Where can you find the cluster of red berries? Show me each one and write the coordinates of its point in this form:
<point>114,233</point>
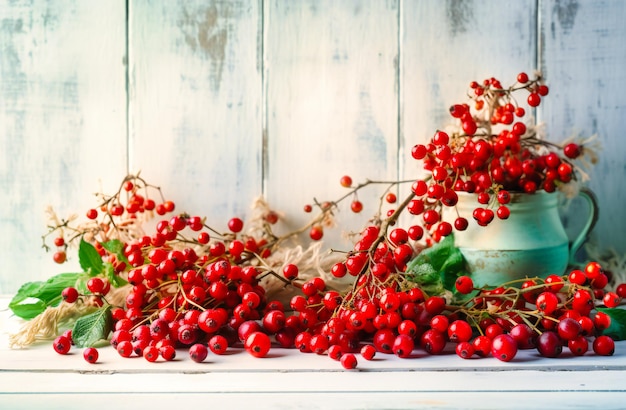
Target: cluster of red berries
<point>542,314</point>
<point>210,299</point>
<point>492,154</point>
<point>133,198</point>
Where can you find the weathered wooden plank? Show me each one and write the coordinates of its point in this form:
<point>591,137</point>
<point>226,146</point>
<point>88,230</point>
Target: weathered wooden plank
<point>62,121</point>
<point>195,103</point>
<point>583,57</point>
<point>331,105</point>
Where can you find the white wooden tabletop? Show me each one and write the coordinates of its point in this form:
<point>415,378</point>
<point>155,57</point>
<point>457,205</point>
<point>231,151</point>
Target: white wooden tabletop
<point>37,377</point>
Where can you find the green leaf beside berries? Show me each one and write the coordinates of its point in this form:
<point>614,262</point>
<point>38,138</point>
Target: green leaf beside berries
<point>617,329</point>
<point>92,328</point>
<point>436,268</point>
<point>34,297</point>
<point>89,258</point>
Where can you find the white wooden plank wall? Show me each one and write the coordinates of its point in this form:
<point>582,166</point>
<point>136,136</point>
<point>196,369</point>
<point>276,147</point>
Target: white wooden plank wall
<point>221,101</point>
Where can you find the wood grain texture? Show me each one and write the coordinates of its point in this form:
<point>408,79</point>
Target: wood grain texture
<point>582,56</point>
<point>195,103</point>
<point>62,121</point>
<point>331,104</point>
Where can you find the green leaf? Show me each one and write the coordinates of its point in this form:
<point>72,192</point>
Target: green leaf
<point>89,258</point>
<point>617,329</point>
<point>28,308</point>
<point>116,247</point>
<point>92,328</point>
<point>113,278</point>
<point>436,268</point>
<point>34,297</point>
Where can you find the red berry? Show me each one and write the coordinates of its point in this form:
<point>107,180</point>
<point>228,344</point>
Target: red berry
<point>464,284</point>
<point>257,344</point>
<point>59,257</point>
<point>569,328</point>
<point>368,352</point>
<point>403,345</point>
<point>578,346</point>
<point>348,361</point>
<point>549,344</point>
<point>95,285</point>
<point>90,354</point>
<point>465,350</point>
<point>235,225</point>
<point>604,346</point>
<point>593,270</point>
<point>62,345</point>
<point>346,181</point>
<point>69,294</point>
<point>459,331</point>
<point>150,353</point>
<point>504,347</point>
<point>534,99</point>
<point>522,78</point>
<point>198,352</point>
<point>316,233</point>
<point>572,150</point>
<point>218,344</point>
<point>356,206</point>
<point>547,302</point>
<point>611,299</point>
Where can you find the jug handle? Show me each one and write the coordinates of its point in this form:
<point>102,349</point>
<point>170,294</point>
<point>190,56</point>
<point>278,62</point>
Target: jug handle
<point>592,201</point>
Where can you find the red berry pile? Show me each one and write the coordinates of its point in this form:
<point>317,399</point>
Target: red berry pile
<point>188,285</point>
<point>192,288</point>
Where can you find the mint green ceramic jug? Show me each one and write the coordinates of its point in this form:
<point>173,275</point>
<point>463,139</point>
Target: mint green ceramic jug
<point>531,242</point>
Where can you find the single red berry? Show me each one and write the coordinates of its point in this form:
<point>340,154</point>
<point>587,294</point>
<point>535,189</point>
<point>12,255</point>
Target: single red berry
<point>70,294</point>
<point>90,354</point>
<point>150,353</point>
<point>459,331</point>
<point>356,206</point>
<point>198,352</point>
<point>125,348</point>
<point>218,344</point>
<point>95,285</point>
<point>62,345</point>
<point>572,150</point>
<point>547,302</point>
<point>522,78</point>
<point>593,270</point>
<point>168,352</point>
<point>92,214</point>
<point>403,345</point>
<point>534,99</point>
<point>611,299</point>
<point>348,361</point>
<point>578,346</point>
<point>569,328</point>
<point>316,233</point>
<point>59,257</point>
<point>577,277</point>
<point>549,344</point>
<point>346,181</point>
<point>257,344</point>
<point>504,347</point>
<point>601,321</point>
<point>235,225</point>
<point>465,350</point>
<point>604,346</point>
<point>368,352</point>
